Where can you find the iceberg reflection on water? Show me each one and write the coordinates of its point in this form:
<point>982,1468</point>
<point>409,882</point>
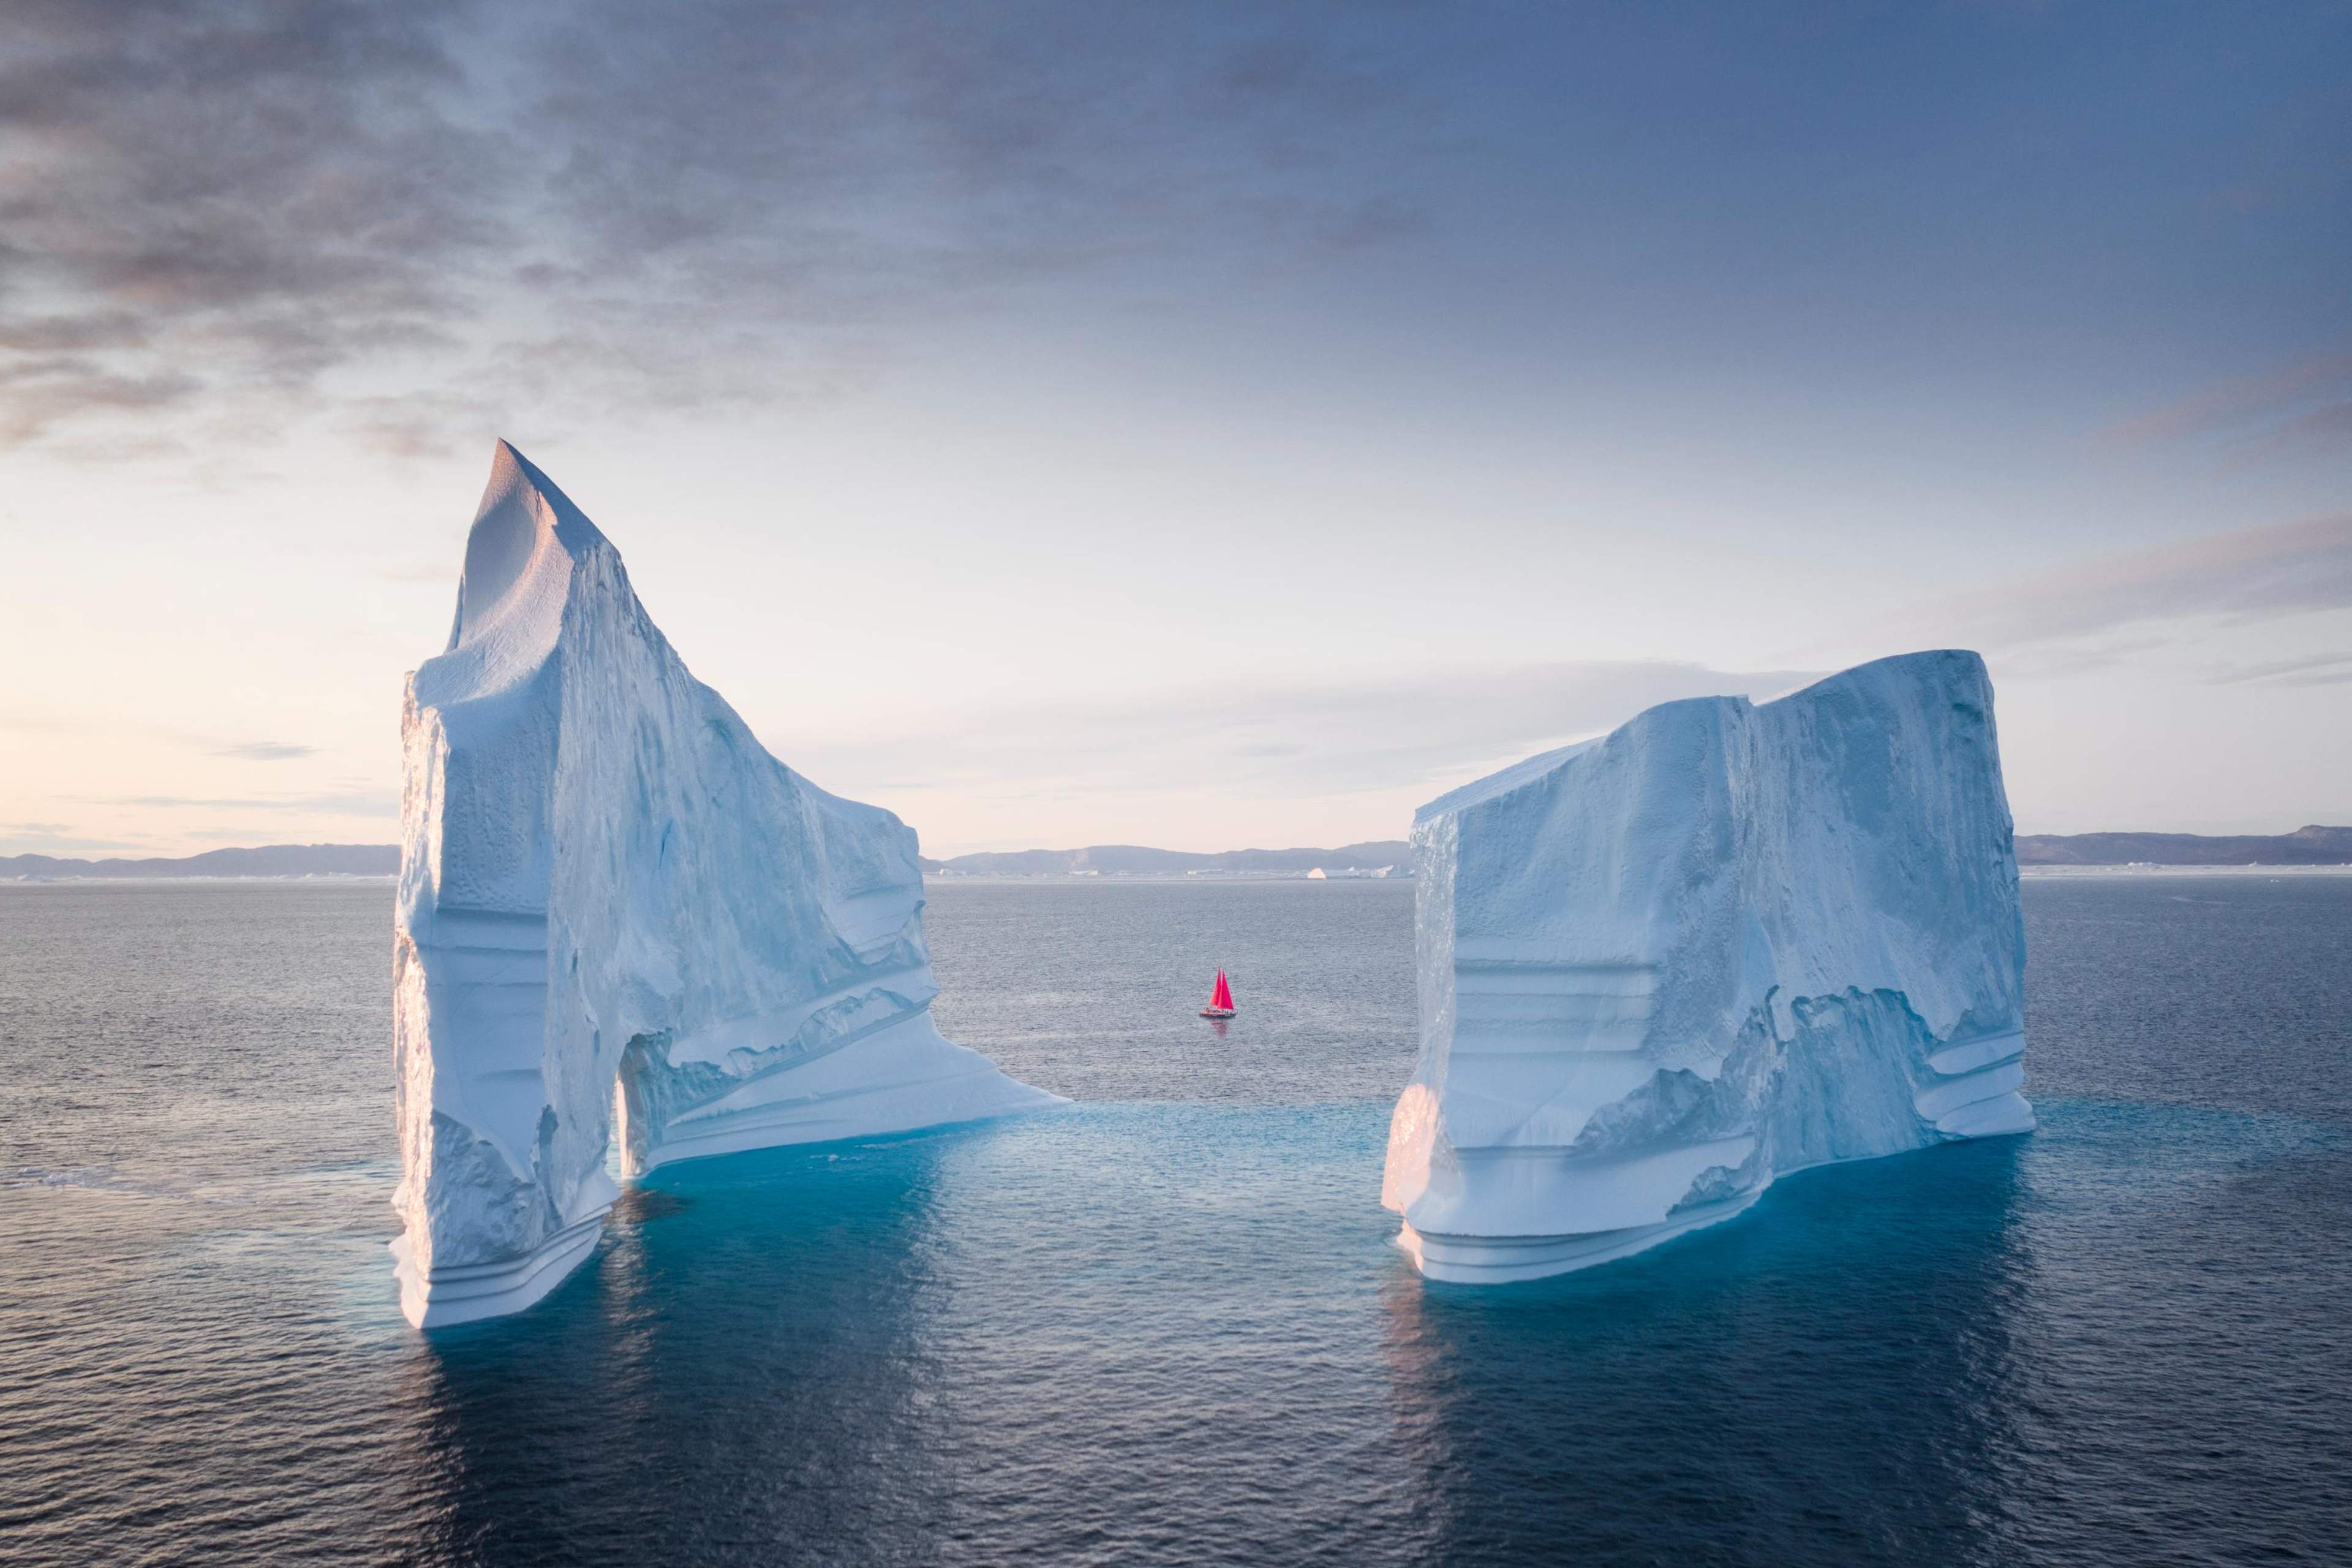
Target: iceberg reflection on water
<point>1171,1330</point>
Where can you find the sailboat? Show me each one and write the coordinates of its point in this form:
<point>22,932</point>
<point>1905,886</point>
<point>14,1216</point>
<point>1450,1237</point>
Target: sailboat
<point>1220,1000</point>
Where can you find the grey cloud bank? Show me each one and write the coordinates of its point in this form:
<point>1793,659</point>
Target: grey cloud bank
<point>221,208</point>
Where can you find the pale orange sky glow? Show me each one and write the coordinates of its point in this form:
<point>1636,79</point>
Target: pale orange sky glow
<point>1205,434</point>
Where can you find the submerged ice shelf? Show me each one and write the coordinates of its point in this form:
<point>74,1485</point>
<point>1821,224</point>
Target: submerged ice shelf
<point>617,914</point>
<point>1722,943</point>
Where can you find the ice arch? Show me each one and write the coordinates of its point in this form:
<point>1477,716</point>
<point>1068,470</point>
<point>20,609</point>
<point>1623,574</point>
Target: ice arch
<point>606,881</point>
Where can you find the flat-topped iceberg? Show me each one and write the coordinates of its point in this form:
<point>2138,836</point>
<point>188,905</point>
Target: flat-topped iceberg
<point>616,911</point>
<point>1722,943</point>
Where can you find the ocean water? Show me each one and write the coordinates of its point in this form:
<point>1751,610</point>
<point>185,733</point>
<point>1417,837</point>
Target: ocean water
<point>1168,1325</point>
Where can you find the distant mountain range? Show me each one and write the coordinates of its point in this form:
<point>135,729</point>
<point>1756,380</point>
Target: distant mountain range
<point>1134,860</point>
<point>276,861</point>
<point>383,859</point>
<point>2312,845</point>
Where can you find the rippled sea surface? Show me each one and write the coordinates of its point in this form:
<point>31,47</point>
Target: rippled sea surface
<point>1168,1325</point>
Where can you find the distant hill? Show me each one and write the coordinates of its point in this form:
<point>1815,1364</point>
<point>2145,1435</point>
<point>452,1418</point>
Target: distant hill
<point>275,860</point>
<point>1134,860</point>
<point>383,860</point>
<point>2312,845</point>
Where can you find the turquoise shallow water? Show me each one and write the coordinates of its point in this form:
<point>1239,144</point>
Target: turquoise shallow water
<point>1168,1324</point>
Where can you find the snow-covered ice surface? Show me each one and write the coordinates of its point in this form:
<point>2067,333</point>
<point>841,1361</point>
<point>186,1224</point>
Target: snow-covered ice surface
<point>606,881</point>
<point>1723,942</point>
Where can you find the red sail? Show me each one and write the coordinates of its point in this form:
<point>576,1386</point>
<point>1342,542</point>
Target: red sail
<point>1224,995</point>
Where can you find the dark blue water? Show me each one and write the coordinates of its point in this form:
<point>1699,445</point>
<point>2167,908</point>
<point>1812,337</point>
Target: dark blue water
<point>1168,1325</point>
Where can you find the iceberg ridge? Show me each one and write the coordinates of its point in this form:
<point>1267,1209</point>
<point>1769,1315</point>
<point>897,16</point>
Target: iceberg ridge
<point>616,913</point>
<point>1723,942</point>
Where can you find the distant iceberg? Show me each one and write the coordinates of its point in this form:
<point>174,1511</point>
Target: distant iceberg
<point>1722,943</point>
<point>619,916</point>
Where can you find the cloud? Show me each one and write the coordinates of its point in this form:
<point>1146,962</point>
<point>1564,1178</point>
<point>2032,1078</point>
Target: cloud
<point>37,392</point>
<point>39,721</point>
<point>262,188</point>
<point>248,835</point>
<point>385,803</point>
<point>52,722</point>
<point>2251,575</point>
<point>50,838</point>
<point>2312,669</point>
<point>1385,734</point>
<point>2323,429</point>
<point>2303,405</point>
<point>588,203</point>
<point>418,574</point>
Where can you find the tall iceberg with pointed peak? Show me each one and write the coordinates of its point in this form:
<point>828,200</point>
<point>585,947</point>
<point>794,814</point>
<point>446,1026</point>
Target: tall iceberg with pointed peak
<point>616,911</point>
<point>1723,942</point>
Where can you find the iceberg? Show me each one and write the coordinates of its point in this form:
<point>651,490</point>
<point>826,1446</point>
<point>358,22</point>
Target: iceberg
<point>620,923</point>
<point>1722,943</point>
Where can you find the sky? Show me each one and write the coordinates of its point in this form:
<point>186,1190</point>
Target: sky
<point>1191,424</point>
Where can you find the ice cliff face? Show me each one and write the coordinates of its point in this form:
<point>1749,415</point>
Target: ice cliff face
<point>1725,942</point>
<point>607,884</point>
